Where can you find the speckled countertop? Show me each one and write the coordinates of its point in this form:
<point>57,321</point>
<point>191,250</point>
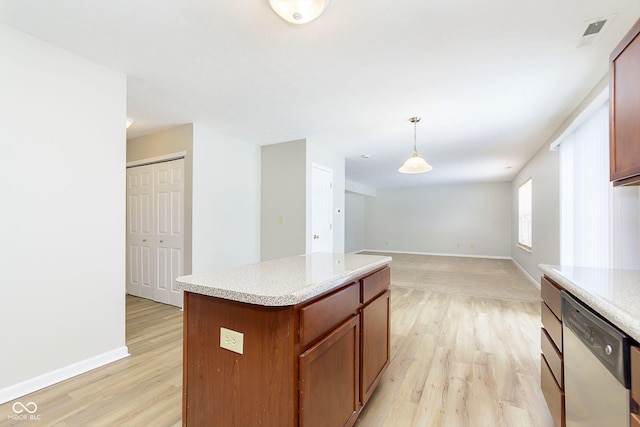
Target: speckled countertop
<point>281,282</point>
<point>614,294</point>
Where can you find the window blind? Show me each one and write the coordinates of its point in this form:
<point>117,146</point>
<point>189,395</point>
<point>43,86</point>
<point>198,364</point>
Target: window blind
<point>586,193</point>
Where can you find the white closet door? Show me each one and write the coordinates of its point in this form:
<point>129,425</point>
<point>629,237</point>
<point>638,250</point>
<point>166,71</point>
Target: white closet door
<point>169,189</point>
<point>155,230</point>
<point>140,232</point>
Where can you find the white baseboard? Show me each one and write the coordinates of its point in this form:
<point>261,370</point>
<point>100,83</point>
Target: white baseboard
<point>527,275</point>
<point>45,380</point>
<point>434,254</point>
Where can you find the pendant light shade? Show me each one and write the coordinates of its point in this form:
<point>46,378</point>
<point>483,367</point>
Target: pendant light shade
<point>298,11</point>
<point>415,163</point>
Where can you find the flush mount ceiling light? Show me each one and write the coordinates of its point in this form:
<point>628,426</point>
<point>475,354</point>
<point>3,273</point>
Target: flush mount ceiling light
<point>298,11</point>
<point>415,163</point>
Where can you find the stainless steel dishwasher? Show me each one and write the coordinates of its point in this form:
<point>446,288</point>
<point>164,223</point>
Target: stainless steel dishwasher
<point>596,368</point>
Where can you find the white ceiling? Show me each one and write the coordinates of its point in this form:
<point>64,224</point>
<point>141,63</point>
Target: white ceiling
<point>492,80</point>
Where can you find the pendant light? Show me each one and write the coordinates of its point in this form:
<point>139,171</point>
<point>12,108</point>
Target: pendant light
<point>298,11</point>
<point>415,163</point>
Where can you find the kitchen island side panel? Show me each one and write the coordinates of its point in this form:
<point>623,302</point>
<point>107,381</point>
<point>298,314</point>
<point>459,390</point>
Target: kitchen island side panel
<point>224,388</point>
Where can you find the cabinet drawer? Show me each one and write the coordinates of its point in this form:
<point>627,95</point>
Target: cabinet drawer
<point>635,373</point>
<point>552,394</point>
<point>550,292</point>
<point>553,357</point>
<point>374,284</point>
<point>319,317</point>
<point>552,325</point>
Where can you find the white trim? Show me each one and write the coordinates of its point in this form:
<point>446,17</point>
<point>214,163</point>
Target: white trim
<point>600,99</point>
<point>157,159</point>
<point>433,254</point>
<point>45,380</point>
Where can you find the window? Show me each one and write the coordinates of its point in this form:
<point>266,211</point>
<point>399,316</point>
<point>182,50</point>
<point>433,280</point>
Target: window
<point>524,215</point>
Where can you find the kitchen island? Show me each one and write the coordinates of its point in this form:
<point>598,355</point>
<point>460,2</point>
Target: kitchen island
<point>300,341</point>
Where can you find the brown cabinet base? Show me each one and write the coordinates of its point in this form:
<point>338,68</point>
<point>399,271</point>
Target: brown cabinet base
<point>551,359</point>
<point>552,394</point>
<point>313,364</point>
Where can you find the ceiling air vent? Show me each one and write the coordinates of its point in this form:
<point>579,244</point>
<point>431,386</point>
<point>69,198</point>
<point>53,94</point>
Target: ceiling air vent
<point>593,30</point>
<point>594,27</point>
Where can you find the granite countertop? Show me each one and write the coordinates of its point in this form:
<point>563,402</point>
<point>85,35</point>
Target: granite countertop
<point>614,294</point>
<point>282,282</point>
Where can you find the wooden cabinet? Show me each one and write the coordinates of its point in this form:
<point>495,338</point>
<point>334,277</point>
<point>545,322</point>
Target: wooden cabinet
<point>624,129</point>
<point>329,378</point>
<point>551,360</point>
<point>635,385</point>
<point>319,317</point>
<point>375,343</point>
<point>313,364</point>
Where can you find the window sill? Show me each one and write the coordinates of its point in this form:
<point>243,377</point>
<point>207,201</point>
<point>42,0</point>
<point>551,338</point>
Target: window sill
<point>525,248</point>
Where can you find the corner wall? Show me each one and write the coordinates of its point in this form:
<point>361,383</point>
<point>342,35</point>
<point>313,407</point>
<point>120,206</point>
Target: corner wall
<point>226,200</point>
<point>544,171</point>
<point>283,222</point>
<point>63,215</point>
<point>354,209</point>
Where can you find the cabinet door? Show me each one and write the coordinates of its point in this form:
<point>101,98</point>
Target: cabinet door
<point>625,109</point>
<point>329,378</point>
<point>375,344</point>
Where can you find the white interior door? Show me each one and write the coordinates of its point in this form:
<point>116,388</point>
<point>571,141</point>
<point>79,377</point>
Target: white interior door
<point>169,189</point>
<point>140,239</point>
<point>155,230</point>
<point>321,209</point>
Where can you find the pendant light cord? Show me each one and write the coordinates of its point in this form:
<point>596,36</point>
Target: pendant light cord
<point>415,150</point>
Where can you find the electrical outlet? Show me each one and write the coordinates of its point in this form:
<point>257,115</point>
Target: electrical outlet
<point>231,340</point>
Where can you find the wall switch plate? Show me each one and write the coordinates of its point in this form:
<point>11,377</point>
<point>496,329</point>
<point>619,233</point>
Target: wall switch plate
<point>232,340</point>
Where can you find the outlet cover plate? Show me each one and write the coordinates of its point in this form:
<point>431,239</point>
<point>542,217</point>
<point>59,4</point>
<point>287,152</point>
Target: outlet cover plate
<point>232,340</point>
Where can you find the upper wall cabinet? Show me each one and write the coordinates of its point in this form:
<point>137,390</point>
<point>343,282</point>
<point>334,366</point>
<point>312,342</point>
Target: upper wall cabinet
<point>624,126</point>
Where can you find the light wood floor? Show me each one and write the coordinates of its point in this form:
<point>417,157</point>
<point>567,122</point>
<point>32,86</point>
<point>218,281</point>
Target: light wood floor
<point>144,389</point>
<point>456,360</point>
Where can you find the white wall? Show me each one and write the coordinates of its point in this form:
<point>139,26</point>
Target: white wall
<point>286,193</point>
<point>63,214</point>
<point>543,169</point>
<point>462,219</point>
<point>354,211</point>
<point>283,195</point>
<point>226,200</point>
<point>316,154</point>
